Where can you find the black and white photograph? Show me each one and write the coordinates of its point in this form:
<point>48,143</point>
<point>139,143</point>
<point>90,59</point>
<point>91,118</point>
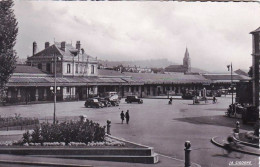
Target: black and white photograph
<point>129,83</point>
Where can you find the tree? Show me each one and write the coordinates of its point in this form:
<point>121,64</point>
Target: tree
<point>8,34</point>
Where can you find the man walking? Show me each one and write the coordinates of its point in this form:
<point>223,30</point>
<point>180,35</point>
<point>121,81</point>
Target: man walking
<point>122,115</point>
<point>127,116</point>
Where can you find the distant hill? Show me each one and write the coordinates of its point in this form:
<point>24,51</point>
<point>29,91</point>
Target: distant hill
<point>152,63</point>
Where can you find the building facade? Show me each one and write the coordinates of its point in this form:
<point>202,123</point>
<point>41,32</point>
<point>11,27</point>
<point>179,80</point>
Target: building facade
<point>78,78</point>
<point>255,65</point>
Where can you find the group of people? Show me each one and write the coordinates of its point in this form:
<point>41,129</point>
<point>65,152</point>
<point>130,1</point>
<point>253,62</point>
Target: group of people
<point>125,116</point>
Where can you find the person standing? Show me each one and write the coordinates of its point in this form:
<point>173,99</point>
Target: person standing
<point>122,115</point>
<point>214,99</point>
<point>127,116</point>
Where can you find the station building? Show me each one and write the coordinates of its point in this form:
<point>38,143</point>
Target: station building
<point>78,77</point>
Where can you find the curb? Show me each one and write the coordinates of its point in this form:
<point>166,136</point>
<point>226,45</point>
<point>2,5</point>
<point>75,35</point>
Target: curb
<point>246,143</point>
<point>238,150</point>
<point>41,163</point>
<point>122,139</point>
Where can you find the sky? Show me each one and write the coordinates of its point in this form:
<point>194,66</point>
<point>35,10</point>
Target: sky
<point>215,34</point>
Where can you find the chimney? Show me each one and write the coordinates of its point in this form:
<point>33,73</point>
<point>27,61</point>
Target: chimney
<point>63,45</point>
<point>78,45</point>
<point>47,44</point>
<point>34,48</point>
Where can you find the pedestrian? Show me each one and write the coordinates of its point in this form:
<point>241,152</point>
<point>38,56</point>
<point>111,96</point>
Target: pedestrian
<point>214,99</point>
<point>127,116</point>
<point>122,115</point>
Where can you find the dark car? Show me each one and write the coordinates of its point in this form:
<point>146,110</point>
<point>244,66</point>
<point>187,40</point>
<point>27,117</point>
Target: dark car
<point>188,96</point>
<point>105,102</point>
<point>93,103</point>
<point>130,99</point>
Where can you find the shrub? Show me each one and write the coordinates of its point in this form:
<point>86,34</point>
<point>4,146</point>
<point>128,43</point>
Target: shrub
<point>83,132</point>
<point>36,136</point>
<point>26,137</point>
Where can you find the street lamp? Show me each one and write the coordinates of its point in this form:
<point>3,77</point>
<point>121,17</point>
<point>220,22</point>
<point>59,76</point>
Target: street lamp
<point>231,70</point>
<point>54,89</point>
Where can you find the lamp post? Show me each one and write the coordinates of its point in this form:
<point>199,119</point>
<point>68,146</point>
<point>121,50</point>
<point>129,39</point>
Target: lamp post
<point>54,90</point>
<point>231,70</point>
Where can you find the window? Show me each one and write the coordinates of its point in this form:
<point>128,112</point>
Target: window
<point>92,69</point>
<point>40,66</point>
<point>77,68</point>
<point>68,68</point>
<point>48,67</point>
<point>68,89</point>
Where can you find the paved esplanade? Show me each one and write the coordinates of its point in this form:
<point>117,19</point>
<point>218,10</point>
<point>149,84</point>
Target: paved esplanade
<point>157,124</point>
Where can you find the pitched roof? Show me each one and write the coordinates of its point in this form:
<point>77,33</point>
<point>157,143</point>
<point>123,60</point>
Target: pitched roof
<point>176,78</point>
<point>25,69</point>
<point>67,81</point>
<point>257,30</point>
<point>67,54</point>
<point>226,77</point>
<point>241,72</point>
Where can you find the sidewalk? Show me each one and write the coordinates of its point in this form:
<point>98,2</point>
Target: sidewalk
<point>43,161</point>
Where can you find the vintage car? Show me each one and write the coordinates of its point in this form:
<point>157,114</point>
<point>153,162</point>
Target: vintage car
<point>130,99</point>
<point>105,101</point>
<point>93,103</point>
<point>112,98</point>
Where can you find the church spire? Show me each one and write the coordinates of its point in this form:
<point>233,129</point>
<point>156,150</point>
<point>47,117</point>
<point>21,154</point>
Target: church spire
<point>186,60</point>
<point>186,53</point>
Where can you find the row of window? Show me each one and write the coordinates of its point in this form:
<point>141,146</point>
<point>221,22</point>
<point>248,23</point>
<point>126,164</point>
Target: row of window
<point>48,68</point>
<point>77,69</point>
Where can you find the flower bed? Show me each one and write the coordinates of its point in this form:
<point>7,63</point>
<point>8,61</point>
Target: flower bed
<point>107,142</point>
<point>66,132</point>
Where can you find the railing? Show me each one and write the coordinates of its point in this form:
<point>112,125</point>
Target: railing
<point>17,123</point>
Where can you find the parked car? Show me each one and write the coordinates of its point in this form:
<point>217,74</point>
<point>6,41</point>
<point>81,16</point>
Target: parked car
<point>93,103</point>
<point>130,99</point>
<point>105,101</point>
<point>112,97</point>
<point>188,96</point>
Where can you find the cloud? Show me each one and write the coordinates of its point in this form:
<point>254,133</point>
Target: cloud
<point>215,33</point>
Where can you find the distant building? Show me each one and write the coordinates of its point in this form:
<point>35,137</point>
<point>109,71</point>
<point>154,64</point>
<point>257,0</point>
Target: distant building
<point>71,61</point>
<point>241,72</point>
<point>185,68</point>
